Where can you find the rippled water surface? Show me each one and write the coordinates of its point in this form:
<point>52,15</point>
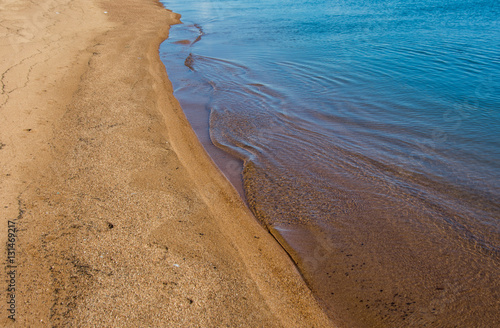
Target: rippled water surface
<point>370,136</point>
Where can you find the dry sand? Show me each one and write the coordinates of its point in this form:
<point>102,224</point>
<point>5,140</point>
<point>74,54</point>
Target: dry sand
<point>123,220</point>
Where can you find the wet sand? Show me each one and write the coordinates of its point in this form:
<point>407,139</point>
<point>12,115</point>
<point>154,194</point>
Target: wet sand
<point>122,219</point>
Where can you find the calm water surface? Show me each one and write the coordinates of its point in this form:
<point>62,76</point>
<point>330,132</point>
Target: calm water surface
<point>369,132</point>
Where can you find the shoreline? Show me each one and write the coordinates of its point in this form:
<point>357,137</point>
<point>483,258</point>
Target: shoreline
<point>358,227</point>
<point>123,218</point>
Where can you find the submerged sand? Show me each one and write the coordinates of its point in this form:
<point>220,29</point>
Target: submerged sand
<point>122,218</point>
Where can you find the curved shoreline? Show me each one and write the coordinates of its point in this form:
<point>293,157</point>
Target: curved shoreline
<point>123,218</point>
<point>225,203</point>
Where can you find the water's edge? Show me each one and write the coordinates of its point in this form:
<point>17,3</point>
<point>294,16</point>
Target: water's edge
<point>373,236</point>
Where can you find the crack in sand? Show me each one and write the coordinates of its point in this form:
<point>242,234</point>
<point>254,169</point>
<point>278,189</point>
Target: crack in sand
<point>6,92</point>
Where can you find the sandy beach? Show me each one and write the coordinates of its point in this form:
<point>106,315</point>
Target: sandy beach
<point>118,217</point>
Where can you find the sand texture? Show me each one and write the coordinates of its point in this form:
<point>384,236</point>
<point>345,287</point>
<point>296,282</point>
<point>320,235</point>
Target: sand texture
<point>122,218</point>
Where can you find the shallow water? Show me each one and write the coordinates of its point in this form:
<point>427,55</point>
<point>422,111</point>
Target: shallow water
<point>369,132</point>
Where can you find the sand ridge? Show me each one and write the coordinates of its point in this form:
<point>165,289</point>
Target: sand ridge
<point>123,219</point>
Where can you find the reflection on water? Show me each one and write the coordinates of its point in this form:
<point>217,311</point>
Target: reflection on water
<point>370,140</point>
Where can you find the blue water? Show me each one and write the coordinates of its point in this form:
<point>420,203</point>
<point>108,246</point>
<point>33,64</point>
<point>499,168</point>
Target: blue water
<point>365,127</point>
